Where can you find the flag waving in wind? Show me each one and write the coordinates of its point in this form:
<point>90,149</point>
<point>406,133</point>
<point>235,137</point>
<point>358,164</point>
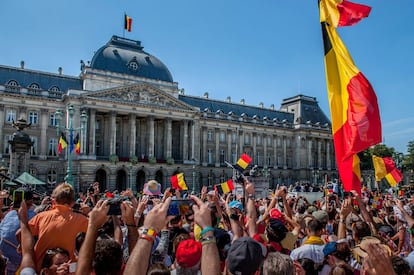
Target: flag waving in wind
<point>178,182</point>
<point>225,187</point>
<point>385,168</point>
<point>62,143</point>
<point>242,163</point>
<point>127,23</point>
<point>76,142</point>
<point>341,13</point>
<point>356,123</point>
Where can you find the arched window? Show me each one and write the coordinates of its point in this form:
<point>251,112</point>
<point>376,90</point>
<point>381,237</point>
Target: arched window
<point>34,86</point>
<point>13,83</point>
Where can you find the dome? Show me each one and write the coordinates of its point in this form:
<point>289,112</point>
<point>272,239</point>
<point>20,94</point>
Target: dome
<point>126,56</point>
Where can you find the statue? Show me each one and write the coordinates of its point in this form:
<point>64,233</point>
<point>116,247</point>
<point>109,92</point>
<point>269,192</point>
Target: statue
<point>21,124</point>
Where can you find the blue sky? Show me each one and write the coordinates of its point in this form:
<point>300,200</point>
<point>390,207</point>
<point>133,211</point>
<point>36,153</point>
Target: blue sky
<point>260,51</point>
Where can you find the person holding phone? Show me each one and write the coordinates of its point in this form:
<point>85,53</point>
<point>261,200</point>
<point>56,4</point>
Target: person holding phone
<point>10,225</point>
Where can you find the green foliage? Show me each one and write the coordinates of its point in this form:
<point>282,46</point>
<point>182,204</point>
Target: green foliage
<point>113,159</point>
<point>380,150</point>
<point>408,162</point>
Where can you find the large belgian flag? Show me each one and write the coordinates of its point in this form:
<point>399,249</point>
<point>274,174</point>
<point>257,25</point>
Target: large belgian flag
<point>356,123</point>
<point>385,168</point>
<point>340,13</point>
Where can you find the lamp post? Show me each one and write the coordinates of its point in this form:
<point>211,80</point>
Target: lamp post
<point>70,130</point>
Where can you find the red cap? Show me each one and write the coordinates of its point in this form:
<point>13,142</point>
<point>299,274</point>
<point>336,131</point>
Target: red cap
<point>276,214</point>
<point>188,253</point>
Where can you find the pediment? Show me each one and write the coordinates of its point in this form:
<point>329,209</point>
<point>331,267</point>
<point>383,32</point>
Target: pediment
<point>141,94</point>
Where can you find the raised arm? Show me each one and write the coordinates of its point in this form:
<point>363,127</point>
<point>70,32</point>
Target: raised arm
<point>27,242</point>
<point>97,217</point>
<point>155,220</point>
<point>210,261</point>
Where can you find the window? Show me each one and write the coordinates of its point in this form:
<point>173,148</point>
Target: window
<point>234,138</point>
<point>13,83</point>
<point>222,136</point>
<point>34,86</point>
<point>53,144</point>
<point>288,142</point>
<point>233,157</point>
<point>222,156</point>
<point>97,125</point>
<point>11,116</point>
<point>54,89</point>
<point>259,159</point>
<point>52,177</point>
<point>279,161</point>
<point>247,139</point>
<point>209,156</point>
<point>269,161</point>
<point>279,142</point>
<point>33,118</point>
<point>52,120</point>
<point>259,139</point>
<point>33,149</point>
<point>7,145</point>
<point>133,65</point>
<point>269,141</point>
<point>210,135</point>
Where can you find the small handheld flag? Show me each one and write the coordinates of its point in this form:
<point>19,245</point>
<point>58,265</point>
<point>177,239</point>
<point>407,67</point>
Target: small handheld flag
<point>225,187</point>
<point>385,168</point>
<point>178,182</point>
<point>242,163</point>
<point>128,23</point>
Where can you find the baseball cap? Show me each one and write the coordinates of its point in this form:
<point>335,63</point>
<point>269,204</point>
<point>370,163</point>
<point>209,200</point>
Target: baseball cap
<point>245,256</point>
<point>321,216</point>
<point>188,253</point>
<point>152,188</point>
<point>236,204</point>
<point>276,214</point>
<point>329,248</point>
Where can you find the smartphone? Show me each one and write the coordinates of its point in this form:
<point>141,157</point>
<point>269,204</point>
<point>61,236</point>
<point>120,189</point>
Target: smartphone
<point>18,197</point>
<point>180,207</point>
<point>72,267</point>
<point>114,207</point>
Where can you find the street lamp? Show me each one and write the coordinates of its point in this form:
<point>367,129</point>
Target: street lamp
<point>70,129</point>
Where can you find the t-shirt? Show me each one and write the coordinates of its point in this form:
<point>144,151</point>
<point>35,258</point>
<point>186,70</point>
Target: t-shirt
<point>56,228</point>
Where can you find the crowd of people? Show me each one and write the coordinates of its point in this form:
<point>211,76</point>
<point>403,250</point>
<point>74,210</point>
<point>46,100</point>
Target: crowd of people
<point>173,232</point>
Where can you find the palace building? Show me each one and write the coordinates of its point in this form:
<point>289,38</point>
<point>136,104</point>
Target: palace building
<point>134,123</point>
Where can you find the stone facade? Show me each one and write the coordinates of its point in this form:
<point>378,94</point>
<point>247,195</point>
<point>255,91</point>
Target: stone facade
<point>142,126</point>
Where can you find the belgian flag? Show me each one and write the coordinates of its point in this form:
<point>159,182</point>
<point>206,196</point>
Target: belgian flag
<point>63,143</point>
<point>225,187</point>
<point>242,163</point>
<point>356,123</point>
<point>127,23</point>
<point>178,182</point>
<point>341,13</point>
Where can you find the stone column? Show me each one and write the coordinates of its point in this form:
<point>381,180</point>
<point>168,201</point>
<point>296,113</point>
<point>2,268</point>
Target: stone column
<point>204,142</point>
<point>217,145</point>
<point>192,140</point>
<point>254,145</point>
<point>151,134</point>
<point>44,123</point>
<point>328,155</point>
<point>276,164</point>
<point>168,138</point>
<point>310,161</point>
<point>185,140</point>
<point>284,153</point>
<point>92,133</point>
<point>264,142</point>
<point>241,143</point>
<point>319,153</point>
<point>229,146</point>
<point>2,118</point>
<point>197,139</point>
<point>133,134</point>
<point>112,148</point>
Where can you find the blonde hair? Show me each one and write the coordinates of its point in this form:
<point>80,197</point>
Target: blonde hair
<point>64,194</point>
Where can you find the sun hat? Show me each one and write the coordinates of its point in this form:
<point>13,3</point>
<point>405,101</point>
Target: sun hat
<point>152,188</point>
<point>362,248</point>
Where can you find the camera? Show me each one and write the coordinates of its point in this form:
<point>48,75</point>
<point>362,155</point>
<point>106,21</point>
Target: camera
<point>115,206</point>
<point>180,207</point>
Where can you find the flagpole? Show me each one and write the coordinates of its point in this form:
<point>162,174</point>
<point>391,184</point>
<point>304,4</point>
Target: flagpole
<point>123,32</point>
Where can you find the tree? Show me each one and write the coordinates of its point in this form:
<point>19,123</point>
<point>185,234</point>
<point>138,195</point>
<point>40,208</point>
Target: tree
<point>408,162</point>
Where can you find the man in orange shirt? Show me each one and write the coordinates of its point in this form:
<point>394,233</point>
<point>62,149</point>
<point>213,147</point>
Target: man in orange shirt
<point>59,226</point>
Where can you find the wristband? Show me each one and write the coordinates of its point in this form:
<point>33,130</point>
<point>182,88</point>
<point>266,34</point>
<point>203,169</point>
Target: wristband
<point>149,232</point>
<point>205,230</point>
<point>147,237</point>
<point>131,225</point>
<point>208,240</point>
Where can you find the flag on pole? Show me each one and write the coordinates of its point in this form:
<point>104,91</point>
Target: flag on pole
<point>341,13</point>
<point>242,163</point>
<point>178,182</point>
<point>62,143</point>
<point>356,123</point>
<point>385,168</point>
<point>128,23</point>
<point>76,142</point>
<point>225,187</point>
